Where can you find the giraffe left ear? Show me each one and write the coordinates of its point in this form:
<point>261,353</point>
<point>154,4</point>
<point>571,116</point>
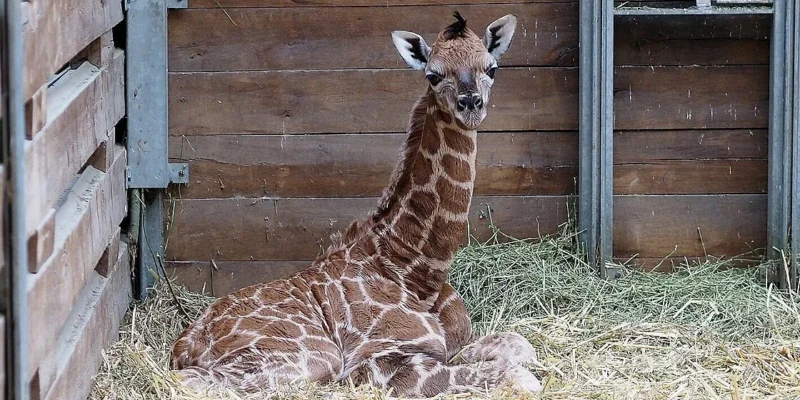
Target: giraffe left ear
<point>412,48</point>
<point>497,38</point>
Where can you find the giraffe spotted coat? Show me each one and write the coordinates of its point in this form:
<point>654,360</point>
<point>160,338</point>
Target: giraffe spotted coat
<point>375,307</point>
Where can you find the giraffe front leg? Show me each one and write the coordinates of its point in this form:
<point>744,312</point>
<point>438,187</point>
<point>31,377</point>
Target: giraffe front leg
<point>420,375</point>
<point>452,313</point>
<point>507,348</point>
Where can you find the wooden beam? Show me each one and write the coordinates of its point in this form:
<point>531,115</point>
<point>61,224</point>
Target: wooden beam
<point>41,243</point>
<point>85,223</point>
<point>297,229</point>
<point>91,328</point>
<point>36,112</point>
<point>83,108</point>
<point>57,30</point>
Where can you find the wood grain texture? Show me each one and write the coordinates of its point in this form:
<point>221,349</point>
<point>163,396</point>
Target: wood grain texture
<point>219,278</point>
<point>350,165</point>
<point>92,327</point>
<point>297,229</point>
<point>41,243</point>
<point>672,226</point>
<point>349,3</point>
<point>700,144</point>
<point>85,224</point>
<point>292,38</point>
<point>691,97</point>
<point>358,37</point>
<point>692,177</point>
<point>524,99</point>
<point>83,108</point>
<point>57,30</point>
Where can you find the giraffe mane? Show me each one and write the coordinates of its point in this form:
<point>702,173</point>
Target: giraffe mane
<point>456,29</point>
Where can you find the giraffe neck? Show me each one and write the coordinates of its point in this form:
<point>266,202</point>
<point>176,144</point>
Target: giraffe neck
<point>422,217</point>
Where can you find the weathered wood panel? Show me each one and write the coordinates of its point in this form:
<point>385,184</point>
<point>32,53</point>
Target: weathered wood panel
<point>524,99</point>
<point>57,30</point>
<point>691,226</point>
<point>92,327</point>
<point>525,163</point>
<point>691,177</point>
<point>291,38</point>
<point>85,224</point>
<point>222,277</point>
<point>699,144</point>
<point>691,97</point>
<point>291,229</point>
<point>83,107</point>
<point>348,3</point>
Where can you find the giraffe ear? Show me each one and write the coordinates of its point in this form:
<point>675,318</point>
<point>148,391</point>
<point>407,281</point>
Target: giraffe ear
<point>412,48</point>
<point>497,38</point>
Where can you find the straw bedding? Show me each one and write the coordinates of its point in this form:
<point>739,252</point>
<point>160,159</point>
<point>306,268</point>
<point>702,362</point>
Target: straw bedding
<point>705,332</point>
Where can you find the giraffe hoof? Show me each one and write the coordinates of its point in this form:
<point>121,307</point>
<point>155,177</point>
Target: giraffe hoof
<point>508,348</point>
<point>524,380</point>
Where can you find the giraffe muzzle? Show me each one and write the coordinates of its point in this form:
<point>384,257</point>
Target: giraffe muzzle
<point>469,102</point>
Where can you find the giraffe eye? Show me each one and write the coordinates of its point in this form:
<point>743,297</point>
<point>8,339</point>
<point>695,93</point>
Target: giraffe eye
<point>490,72</point>
<point>433,79</point>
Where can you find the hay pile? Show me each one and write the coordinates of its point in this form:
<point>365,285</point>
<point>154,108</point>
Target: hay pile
<point>705,332</point>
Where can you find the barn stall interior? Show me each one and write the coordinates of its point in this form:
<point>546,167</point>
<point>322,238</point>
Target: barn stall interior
<point>220,143</point>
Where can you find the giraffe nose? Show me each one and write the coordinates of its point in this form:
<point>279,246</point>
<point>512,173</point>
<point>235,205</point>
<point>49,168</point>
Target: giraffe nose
<point>470,101</point>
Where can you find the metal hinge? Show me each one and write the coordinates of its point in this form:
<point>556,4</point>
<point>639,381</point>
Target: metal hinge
<point>179,173</point>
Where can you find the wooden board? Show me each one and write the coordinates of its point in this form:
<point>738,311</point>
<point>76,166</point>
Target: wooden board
<point>203,277</point>
<point>692,177</point>
<point>92,327</point>
<point>294,229</point>
<point>83,107</point>
<point>525,163</point>
<point>85,225</point>
<point>661,226</point>
<point>691,97</point>
<point>647,146</point>
<point>523,99</point>
<point>547,35</point>
<point>349,3</point>
<point>57,30</point>
<point>292,38</point>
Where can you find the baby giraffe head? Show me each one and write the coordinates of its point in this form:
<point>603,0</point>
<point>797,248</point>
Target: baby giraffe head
<point>460,67</point>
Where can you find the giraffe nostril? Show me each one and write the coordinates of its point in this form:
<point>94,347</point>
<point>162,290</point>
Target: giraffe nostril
<point>478,103</point>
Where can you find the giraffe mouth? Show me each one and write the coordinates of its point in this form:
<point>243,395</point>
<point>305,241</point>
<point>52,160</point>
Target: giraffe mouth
<point>472,118</point>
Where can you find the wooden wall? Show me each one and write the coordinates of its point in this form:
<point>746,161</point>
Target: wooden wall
<point>79,281</point>
<point>291,114</point>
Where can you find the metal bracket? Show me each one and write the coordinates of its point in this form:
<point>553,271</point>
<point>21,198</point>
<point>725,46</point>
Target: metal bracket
<point>179,173</point>
<point>177,4</point>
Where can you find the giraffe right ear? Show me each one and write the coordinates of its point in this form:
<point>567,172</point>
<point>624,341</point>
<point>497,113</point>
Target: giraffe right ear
<point>412,48</point>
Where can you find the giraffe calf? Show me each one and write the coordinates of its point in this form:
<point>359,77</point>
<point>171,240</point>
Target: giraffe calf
<point>376,307</point>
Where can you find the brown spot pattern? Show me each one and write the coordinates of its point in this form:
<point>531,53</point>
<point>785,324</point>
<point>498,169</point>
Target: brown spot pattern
<point>458,169</point>
<point>458,141</point>
<point>453,198</point>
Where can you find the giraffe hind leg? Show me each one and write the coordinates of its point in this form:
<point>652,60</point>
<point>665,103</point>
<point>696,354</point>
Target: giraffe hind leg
<point>420,375</point>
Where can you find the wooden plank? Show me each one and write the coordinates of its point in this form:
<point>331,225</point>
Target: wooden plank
<point>662,226</point>
<point>109,258</point>
<point>524,99</point>
<point>294,229</point>
<point>692,40</point>
<point>291,38</point>
<point>92,327</point>
<point>354,101</point>
<point>202,277</point>
<point>691,97</point>
<point>83,108</point>
<point>57,30</point>
<point>540,163</point>
<point>36,112</point>
<point>41,243</point>
<point>348,3</point>
<point>692,177</point>
<point>85,225</point>
<point>647,146</point>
